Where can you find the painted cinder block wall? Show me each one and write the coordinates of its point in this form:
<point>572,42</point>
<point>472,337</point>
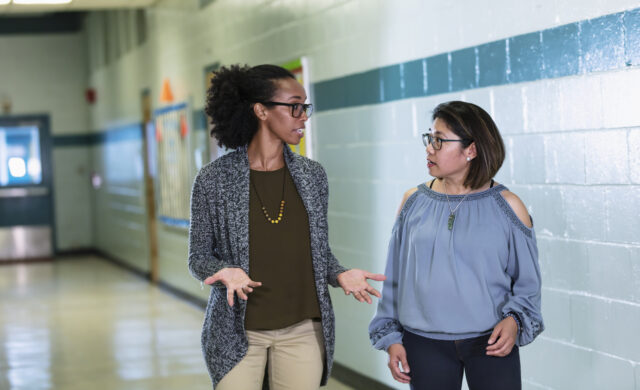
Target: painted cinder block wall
<point>564,96</point>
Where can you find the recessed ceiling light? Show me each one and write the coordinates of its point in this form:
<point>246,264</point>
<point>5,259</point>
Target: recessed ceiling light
<point>41,2</point>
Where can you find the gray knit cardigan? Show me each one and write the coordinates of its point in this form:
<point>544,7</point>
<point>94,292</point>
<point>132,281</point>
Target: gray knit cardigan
<point>219,238</point>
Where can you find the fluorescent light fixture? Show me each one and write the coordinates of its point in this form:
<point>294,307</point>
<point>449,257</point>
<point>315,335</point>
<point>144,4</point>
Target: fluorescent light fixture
<point>40,2</point>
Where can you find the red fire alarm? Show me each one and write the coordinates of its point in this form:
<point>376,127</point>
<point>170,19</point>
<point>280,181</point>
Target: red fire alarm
<point>90,95</point>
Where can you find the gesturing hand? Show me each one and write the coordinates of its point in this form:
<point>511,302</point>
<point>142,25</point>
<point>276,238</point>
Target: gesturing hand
<point>354,282</point>
<point>398,355</point>
<point>236,280</point>
<point>503,338</point>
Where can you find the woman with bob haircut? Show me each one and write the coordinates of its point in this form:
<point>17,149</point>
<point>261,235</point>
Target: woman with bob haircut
<point>463,283</point>
<point>259,237</point>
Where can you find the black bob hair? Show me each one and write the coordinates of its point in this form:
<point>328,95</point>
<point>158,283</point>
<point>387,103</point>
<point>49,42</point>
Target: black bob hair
<point>230,99</point>
<point>470,122</point>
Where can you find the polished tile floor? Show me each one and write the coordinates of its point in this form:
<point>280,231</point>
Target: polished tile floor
<point>83,323</point>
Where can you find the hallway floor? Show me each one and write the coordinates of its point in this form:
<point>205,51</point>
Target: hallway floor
<point>84,323</point>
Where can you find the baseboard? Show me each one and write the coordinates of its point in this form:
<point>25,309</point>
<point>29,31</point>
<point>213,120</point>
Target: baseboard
<point>198,302</point>
<point>146,275</point>
<point>26,261</point>
<point>76,252</point>
<point>355,379</point>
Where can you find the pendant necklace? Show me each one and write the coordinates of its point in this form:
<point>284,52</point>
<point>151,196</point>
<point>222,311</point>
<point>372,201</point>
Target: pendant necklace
<point>264,209</point>
<point>452,215</point>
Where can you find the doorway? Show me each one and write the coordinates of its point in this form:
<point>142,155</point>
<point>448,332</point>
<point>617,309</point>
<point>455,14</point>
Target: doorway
<point>26,198</point>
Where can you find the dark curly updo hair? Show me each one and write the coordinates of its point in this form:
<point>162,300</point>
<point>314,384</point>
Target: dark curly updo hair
<point>230,99</point>
<point>471,122</point>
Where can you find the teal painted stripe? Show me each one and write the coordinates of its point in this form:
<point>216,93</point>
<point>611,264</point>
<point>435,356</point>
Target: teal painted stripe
<point>129,132</point>
<point>181,223</point>
<point>122,133</point>
<point>166,109</point>
<point>605,43</point>
<point>72,140</point>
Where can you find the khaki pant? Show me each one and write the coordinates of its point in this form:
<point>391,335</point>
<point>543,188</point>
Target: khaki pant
<point>296,359</point>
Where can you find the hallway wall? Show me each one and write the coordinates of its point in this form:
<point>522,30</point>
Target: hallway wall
<point>572,137</point>
<point>47,74</point>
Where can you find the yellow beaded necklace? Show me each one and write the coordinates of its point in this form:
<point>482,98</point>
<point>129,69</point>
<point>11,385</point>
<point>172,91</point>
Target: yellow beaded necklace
<point>264,209</point>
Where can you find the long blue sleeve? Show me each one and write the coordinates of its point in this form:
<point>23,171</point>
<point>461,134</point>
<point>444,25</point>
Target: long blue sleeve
<point>525,298</point>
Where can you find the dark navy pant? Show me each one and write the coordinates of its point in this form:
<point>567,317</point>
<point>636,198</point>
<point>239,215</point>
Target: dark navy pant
<point>439,364</point>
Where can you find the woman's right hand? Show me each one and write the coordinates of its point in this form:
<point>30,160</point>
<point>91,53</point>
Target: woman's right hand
<point>236,280</point>
<point>398,355</point>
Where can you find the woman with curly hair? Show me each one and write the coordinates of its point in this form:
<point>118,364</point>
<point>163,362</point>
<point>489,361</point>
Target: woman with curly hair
<point>259,237</point>
<point>463,281</point>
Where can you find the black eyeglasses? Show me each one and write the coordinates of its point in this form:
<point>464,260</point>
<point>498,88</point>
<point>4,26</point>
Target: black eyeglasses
<point>436,142</point>
<point>296,108</point>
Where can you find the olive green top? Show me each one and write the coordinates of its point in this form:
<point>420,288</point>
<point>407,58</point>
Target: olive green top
<point>279,255</point>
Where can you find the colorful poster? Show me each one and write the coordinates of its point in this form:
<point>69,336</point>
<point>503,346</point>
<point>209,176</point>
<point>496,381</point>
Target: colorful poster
<point>173,159</point>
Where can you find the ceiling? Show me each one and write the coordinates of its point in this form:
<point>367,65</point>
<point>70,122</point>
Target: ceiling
<point>75,5</point>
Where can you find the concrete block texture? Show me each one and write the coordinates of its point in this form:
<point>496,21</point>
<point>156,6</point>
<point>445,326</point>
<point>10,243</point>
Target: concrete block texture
<point>553,364</point>
<point>528,154</point>
<point>564,158</point>
<point>612,272</point>
<point>622,211</point>
<point>556,306</point>
<point>607,158</point>
<point>620,95</point>
<point>585,212</point>
<point>576,111</point>
<point>564,264</point>
<point>633,142</point>
<point>508,109</point>
<point>607,326</point>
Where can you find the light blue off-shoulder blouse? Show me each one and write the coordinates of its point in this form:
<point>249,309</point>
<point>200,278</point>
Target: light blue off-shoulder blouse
<point>456,284</point>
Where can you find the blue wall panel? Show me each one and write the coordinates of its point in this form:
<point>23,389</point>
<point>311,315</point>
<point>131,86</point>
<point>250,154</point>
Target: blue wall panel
<point>632,37</point>
<point>602,43</point>
<point>438,74</point>
<point>525,58</point>
<point>463,69</point>
<point>492,58</point>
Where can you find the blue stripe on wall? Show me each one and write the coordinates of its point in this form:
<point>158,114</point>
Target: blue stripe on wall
<point>116,134</point>
<point>605,43</point>
<point>130,132</point>
<point>121,133</point>
<point>72,140</point>
<point>166,109</point>
<point>181,223</point>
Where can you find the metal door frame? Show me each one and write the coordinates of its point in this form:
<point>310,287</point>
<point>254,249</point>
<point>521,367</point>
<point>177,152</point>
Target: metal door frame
<point>42,121</point>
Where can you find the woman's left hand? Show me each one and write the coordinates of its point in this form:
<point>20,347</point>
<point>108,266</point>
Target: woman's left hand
<point>503,338</point>
<point>354,282</point>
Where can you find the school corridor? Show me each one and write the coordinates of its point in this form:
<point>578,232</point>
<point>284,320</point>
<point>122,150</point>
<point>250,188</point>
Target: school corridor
<point>103,129</point>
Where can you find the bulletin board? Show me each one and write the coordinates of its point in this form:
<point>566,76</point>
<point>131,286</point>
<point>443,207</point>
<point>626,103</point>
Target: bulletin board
<point>174,164</point>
